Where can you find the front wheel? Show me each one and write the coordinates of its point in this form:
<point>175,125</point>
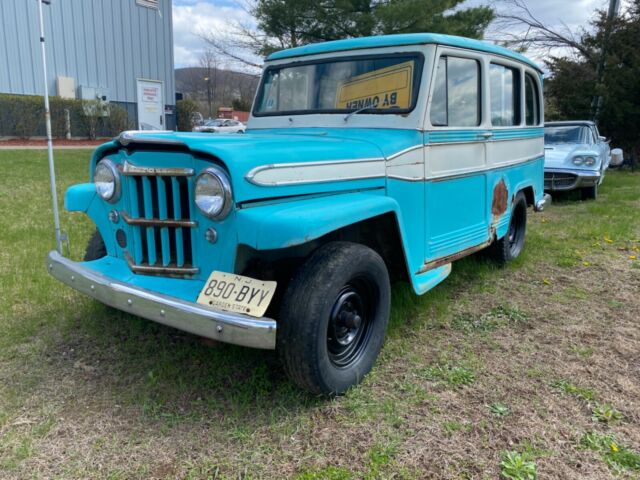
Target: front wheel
<point>507,248</point>
<point>95,248</point>
<point>334,318</point>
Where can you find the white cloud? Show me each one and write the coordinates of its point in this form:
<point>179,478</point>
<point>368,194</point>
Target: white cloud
<point>194,17</point>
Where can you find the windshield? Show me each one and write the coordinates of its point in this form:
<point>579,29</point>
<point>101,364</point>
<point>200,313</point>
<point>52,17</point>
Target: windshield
<point>567,134</point>
<point>381,84</point>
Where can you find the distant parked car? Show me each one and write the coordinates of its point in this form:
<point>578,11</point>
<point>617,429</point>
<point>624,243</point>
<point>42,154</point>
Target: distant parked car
<point>576,157</point>
<point>221,125</point>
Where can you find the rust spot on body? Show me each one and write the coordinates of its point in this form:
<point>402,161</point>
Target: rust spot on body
<point>500,199</point>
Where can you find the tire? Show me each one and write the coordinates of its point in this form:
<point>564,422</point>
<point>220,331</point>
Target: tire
<point>507,248</point>
<point>589,193</point>
<point>334,317</point>
<point>95,248</point>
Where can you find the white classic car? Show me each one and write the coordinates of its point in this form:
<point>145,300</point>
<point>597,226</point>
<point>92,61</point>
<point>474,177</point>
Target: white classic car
<point>576,157</point>
<point>221,125</point>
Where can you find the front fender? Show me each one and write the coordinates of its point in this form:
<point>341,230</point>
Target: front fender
<point>296,222</point>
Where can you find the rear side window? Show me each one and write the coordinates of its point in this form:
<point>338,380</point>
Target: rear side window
<point>531,101</point>
<point>505,98</point>
<point>456,93</point>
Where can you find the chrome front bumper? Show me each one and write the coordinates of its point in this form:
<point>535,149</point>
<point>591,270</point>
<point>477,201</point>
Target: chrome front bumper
<point>190,317</point>
<point>579,179</point>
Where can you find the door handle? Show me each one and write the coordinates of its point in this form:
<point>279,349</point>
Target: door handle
<point>485,135</point>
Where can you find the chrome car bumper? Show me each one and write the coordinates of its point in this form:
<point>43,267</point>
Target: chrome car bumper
<point>190,317</point>
<point>541,204</point>
<point>564,180</point>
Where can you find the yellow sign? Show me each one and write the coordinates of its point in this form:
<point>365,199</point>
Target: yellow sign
<point>388,87</point>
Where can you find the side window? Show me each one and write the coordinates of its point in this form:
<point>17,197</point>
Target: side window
<point>531,101</point>
<point>456,93</point>
<point>505,98</point>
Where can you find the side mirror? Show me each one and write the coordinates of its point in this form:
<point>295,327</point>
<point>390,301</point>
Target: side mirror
<point>617,157</point>
<point>604,139</point>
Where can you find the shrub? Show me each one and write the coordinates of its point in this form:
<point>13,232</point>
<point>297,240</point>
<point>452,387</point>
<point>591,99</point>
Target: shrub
<point>185,110</point>
<point>118,120</point>
<point>21,115</point>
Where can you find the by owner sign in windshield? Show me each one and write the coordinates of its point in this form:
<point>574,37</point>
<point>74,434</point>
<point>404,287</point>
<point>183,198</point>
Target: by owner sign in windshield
<point>385,88</point>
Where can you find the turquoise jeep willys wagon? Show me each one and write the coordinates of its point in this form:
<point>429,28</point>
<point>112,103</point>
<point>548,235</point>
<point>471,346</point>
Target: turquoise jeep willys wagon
<point>365,161</point>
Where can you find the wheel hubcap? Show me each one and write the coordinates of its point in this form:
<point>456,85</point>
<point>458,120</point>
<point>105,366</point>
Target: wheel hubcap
<point>348,326</point>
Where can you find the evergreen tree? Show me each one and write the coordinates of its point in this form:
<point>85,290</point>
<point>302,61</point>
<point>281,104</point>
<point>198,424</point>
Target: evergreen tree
<point>291,23</point>
<point>573,83</point>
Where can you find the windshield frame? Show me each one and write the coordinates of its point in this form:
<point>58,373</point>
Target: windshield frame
<point>417,56</point>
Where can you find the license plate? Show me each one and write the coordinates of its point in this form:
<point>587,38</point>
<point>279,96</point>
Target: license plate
<point>235,293</point>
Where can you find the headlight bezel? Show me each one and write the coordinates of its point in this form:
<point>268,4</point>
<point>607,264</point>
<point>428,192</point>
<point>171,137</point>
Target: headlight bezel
<point>589,161</point>
<point>117,184</point>
<point>221,177</point>
<point>578,160</point>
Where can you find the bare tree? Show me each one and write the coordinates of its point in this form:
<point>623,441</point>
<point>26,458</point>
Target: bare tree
<point>209,65</point>
<point>235,46</point>
<point>239,42</point>
<point>517,27</point>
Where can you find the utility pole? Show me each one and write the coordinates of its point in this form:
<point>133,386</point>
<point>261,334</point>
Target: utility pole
<point>596,103</point>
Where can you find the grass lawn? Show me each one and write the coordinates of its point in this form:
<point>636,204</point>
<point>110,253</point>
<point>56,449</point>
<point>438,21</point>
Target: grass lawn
<point>540,359</point>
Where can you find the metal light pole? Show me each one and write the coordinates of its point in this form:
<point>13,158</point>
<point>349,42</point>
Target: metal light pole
<point>596,103</point>
<point>47,114</point>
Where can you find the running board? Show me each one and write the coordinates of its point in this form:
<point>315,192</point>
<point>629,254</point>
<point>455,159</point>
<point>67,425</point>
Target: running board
<point>424,282</point>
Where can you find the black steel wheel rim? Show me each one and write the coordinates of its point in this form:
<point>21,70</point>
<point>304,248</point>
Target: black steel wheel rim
<point>350,324</point>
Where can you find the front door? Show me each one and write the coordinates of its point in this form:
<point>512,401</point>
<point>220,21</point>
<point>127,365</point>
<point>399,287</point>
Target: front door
<point>150,105</point>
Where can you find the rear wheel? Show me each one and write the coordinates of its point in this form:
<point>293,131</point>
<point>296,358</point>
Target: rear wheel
<point>334,318</point>
<point>95,248</point>
<point>589,193</point>
<point>510,246</point>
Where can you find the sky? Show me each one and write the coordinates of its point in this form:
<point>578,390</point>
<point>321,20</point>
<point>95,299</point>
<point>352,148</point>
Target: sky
<point>194,17</point>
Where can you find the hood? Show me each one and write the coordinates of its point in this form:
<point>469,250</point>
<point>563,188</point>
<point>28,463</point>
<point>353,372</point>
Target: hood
<point>561,155</point>
<point>254,153</point>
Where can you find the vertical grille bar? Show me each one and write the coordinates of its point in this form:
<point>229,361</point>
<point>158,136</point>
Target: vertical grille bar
<point>162,212</point>
<point>177,213</point>
<point>137,238</point>
<point>148,213</point>
<point>190,217</point>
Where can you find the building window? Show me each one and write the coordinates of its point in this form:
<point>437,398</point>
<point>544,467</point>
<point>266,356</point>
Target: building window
<point>456,93</point>
<point>505,101</point>
<point>148,3</point>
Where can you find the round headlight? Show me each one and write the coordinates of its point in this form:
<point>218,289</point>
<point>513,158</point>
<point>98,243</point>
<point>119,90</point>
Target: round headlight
<point>578,160</point>
<point>213,193</point>
<point>590,161</point>
<point>107,180</point>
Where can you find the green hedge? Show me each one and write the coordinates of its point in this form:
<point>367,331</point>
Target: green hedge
<point>23,116</point>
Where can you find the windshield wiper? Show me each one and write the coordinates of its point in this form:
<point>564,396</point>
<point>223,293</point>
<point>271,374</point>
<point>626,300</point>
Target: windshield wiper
<point>350,114</point>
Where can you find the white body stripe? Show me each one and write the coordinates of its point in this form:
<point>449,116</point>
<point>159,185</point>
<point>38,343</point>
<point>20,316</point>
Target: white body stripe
<point>508,152</point>
<point>316,172</point>
<point>454,159</point>
<point>418,163</point>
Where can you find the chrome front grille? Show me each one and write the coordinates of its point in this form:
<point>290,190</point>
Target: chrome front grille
<point>160,219</point>
<point>559,180</point>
